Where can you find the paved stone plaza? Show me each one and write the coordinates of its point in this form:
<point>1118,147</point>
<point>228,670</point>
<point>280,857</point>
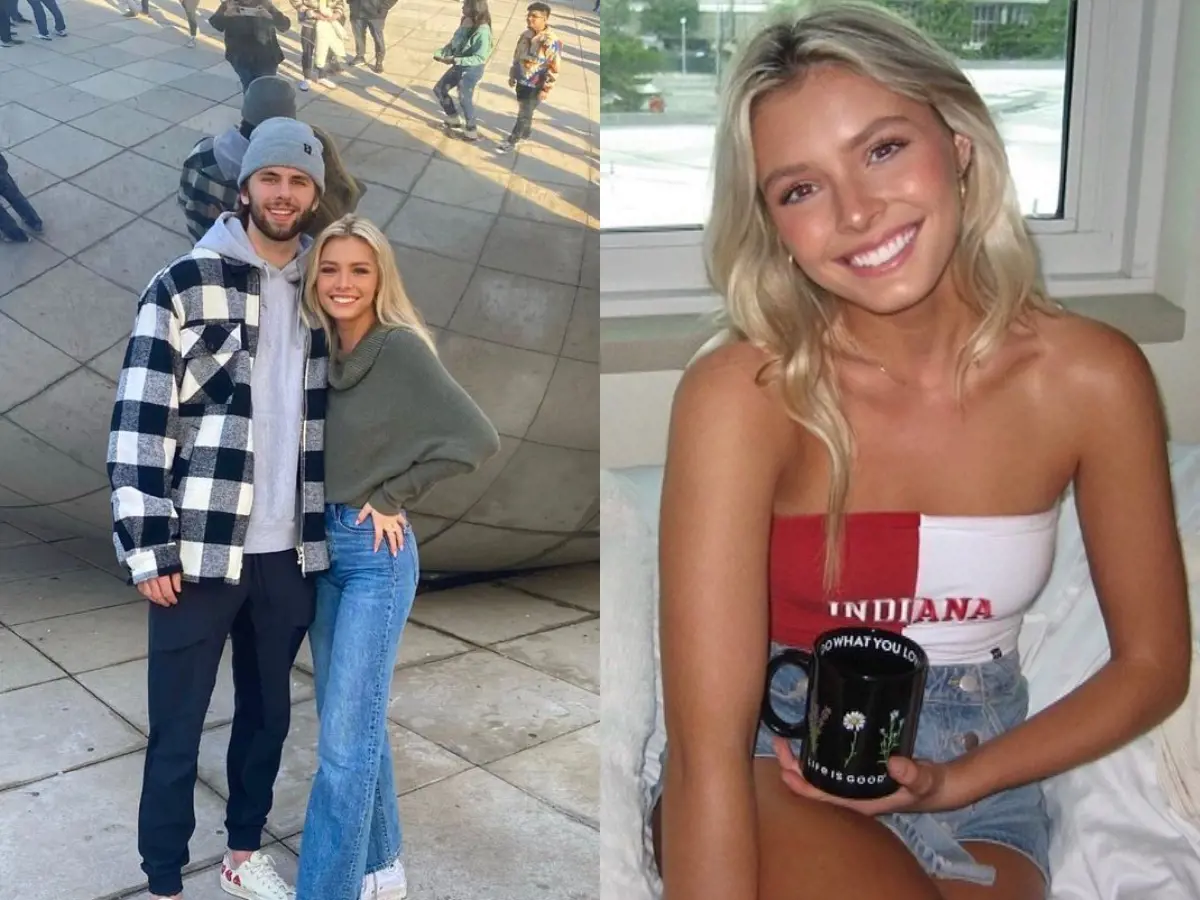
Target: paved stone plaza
<point>495,695</point>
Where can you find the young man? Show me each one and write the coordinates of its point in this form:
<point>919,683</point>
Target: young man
<point>208,184</point>
<point>9,229</point>
<point>216,462</point>
<point>534,68</point>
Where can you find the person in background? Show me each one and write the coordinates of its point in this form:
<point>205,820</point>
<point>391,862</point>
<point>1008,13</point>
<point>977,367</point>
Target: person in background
<point>369,15</point>
<point>9,191</point>
<point>342,190</point>
<point>251,45</point>
<point>208,183</point>
<point>39,8</point>
<point>189,10</point>
<point>8,9</point>
<point>467,55</point>
<point>317,63</point>
<point>396,424</point>
<point>534,68</point>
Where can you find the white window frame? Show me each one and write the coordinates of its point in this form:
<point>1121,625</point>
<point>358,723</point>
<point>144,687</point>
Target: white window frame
<point>1107,241</point>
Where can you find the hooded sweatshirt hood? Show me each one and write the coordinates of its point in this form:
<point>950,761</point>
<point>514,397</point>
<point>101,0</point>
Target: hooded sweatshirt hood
<point>276,387</point>
<point>229,147</point>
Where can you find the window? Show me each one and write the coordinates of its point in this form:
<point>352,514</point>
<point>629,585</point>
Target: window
<point>1080,90</point>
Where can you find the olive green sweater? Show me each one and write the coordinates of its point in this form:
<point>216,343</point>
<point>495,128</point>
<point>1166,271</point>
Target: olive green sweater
<point>397,423</point>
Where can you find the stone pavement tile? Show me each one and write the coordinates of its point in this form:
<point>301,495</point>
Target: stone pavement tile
<point>46,475</point>
<point>144,46</point>
<point>21,665</point>
<point>156,71</point>
<point>565,772</point>
<point>484,707</point>
<point>131,181</point>
<point>75,219</point>
<point>446,230</point>
<point>132,255</point>
<point>73,416</point>
<point>589,273</point>
<point>113,85</point>
<point>514,309</point>
<point>571,653</point>
<point>172,146</point>
<point>205,884</point>
<point>92,811</point>
<point>480,188</point>
<point>215,119</point>
<point>508,383</point>
<point>489,613</point>
<point>123,688</point>
<point>57,726</point>
<point>337,118</point>
<point>435,284</point>
<point>91,640</point>
<point>19,123</point>
<point>559,249</point>
<point>390,166</point>
<point>30,363</point>
<point>455,496</point>
<point>570,414</point>
<point>65,70</point>
<point>30,579</point>
<point>583,333</point>
<point>168,214</point>
<point>379,204</point>
<point>20,84</point>
<point>29,177</point>
<point>404,132</point>
<point>97,552</point>
<point>418,645</point>
<point>14,537</point>
<point>171,104</point>
<point>24,263</point>
<point>65,151</point>
<point>518,499</point>
<point>552,204</point>
<point>109,362</point>
<point>66,103</point>
<point>415,763</point>
<point>121,124</point>
<point>576,585</point>
<point>107,57</point>
<point>71,307</point>
<point>203,84</point>
<point>473,835</point>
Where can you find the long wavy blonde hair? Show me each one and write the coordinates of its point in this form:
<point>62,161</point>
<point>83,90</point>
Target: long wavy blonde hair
<point>392,304</point>
<point>771,303</point>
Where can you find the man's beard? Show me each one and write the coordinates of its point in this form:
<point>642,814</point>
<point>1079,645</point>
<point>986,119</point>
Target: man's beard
<point>263,223</point>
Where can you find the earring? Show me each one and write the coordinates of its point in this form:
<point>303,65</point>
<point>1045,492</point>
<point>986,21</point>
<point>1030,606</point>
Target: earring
<point>962,189</point>
<point>791,262</point>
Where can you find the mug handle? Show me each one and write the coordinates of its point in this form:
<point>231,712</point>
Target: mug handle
<point>790,656</point>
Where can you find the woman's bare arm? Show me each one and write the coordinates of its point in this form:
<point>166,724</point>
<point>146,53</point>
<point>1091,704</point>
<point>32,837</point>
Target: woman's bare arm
<point>1126,510</point>
<point>728,439</point>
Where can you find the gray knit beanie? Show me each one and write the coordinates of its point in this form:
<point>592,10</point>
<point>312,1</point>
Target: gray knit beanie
<point>284,142</point>
<point>269,97</point>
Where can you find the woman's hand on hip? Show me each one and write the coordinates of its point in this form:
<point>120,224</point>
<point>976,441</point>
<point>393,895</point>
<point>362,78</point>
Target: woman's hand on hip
<point>389,527</point>
<point>925,786</point>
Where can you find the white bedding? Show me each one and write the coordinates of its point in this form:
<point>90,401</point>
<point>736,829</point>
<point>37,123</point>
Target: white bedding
<point>1119,841</point>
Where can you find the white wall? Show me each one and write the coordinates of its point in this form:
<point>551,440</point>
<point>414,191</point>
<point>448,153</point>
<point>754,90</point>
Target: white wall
<point>634,407</point>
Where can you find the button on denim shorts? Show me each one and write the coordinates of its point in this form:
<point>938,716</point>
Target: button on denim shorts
<point>965,705</point>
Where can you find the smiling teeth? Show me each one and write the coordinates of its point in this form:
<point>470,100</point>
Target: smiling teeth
<point>884,253</point>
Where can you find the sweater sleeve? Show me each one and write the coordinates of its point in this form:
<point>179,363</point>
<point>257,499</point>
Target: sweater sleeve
<point>454,436</point>
<point>142,440</point>
<point>477,52</point>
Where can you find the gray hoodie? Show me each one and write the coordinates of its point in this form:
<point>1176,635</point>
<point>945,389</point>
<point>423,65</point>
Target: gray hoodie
<point>229,147</point>
<point>276,388</point>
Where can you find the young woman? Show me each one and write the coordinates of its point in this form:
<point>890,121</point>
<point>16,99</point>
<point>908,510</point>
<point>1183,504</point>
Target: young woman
<point>896,412</point>
<point>467,55</point>
<point>396,424</point>
<point>251,45</point>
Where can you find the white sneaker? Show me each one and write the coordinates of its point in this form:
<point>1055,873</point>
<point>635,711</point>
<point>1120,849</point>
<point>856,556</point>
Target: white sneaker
<point>303,84</point>
<point>389,883</point>
<point>191,42</point>
<point>255,879</point>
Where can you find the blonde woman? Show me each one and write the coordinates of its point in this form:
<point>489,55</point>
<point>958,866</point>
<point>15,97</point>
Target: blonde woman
<point>894,416</point>
<point>396,424</point>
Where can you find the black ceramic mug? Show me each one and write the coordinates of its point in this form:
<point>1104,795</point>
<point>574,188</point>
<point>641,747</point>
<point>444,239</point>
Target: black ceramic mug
<point>865,687</point>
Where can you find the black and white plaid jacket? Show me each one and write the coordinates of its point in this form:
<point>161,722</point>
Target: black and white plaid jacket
<point>179,451</point>
<point>204,193</point>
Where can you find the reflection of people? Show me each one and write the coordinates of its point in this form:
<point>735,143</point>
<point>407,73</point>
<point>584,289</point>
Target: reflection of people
<point>11,194</point>
<point>251,45</point>
<point>895,411</point>
<point>467,55</point>
<point>386,447</point>
<point>215,459</point>
<point>208,184</point>
<point>534,69</point>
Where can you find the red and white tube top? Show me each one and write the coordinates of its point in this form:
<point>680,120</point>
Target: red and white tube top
<point>957,585</point>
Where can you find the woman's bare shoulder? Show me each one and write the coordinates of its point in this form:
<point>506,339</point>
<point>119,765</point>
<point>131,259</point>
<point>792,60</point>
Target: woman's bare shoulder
<point>732,375</point>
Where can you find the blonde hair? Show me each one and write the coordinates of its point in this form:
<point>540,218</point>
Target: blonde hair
<point>771,303</point>
<point>392,304</point>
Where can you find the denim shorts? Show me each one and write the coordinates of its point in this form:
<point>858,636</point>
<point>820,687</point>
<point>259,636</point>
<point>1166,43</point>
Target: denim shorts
<point>964,706</point>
